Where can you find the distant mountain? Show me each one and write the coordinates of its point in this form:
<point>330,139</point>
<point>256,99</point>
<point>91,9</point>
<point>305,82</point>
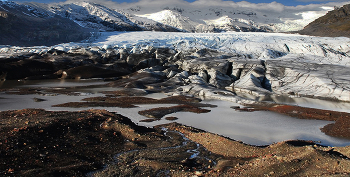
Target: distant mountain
<point>24,25</point>
<point>96,16</point>
<point>174,19</point>
<point>28,24</point>
<point>335,23</point>
<point>207,20</point>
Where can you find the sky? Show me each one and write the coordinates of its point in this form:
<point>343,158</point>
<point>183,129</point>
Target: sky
<point>284,2</point>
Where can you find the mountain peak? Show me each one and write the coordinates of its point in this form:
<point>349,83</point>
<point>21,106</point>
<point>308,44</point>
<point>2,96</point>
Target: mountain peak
<point>172,18</point>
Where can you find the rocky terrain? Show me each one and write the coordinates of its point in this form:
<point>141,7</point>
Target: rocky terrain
<point>35,142</point>
<point>334,23</point>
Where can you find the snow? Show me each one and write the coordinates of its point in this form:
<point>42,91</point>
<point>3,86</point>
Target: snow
<point>173,19</point>
<point>272,16</point>
<point>266,46</point>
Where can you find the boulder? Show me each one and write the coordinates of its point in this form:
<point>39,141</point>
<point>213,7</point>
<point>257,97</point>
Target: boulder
<point>134,58</point>
<point>147,63</point>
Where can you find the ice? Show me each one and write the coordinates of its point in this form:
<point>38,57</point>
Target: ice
<point>253,44</point>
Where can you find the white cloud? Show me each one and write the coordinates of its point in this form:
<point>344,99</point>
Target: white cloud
<point>322,0</point>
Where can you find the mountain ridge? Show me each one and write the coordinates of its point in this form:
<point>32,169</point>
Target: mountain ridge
<point>335,23</point>
<point>25,26</point>
<point>62,19</point>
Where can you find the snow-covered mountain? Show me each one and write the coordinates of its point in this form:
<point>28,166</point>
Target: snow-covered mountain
<point>188,17</point>
<point>174,19</point>
<point>207,20</point>
<point>226,16</point>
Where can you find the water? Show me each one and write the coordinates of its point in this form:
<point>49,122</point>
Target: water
<point>256,128</point>
<point>305,102</point>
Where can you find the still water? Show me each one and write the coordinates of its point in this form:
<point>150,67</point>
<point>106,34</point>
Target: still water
<point>256,128</point>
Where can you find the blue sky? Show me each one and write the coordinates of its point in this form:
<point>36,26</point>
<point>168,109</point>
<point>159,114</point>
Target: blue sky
<point>284,2</point>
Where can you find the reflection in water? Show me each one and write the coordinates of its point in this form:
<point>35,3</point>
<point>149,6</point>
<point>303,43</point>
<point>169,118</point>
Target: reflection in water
<point>51,83</point>
<point>304,102</point>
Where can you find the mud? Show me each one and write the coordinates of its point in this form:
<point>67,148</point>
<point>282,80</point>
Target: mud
<point>158,113</point>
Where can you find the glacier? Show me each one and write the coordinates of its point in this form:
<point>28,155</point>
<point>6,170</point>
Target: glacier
<point>292,64</point>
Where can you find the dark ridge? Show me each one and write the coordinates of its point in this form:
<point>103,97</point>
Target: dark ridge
<point>335,23</point>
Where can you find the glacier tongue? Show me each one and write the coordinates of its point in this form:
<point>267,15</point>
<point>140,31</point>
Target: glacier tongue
<point>254,63</point>
<point>250,44</point>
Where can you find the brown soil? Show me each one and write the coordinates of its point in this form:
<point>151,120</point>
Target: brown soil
<point>289,158</point>
<point>35,142</point>
<point>125,92</point>
<point>171,118</point>
<point>158,113</point>
<point>43,143</point>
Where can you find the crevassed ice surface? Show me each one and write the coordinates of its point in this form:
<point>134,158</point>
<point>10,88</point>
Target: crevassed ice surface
<point>258,45</point>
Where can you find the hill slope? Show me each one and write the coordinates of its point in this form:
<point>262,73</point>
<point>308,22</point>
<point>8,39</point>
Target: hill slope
<point>25,26</point>
<point>334,24</point>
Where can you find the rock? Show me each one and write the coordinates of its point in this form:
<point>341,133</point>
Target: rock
<point>134,58</point>
<point>201,64</point>
<point>140,79</point>
<point>147,63</point>
<point>85,72</point>
<point>14,70</point>
<point>111,54</point>
<point>164,53</point>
